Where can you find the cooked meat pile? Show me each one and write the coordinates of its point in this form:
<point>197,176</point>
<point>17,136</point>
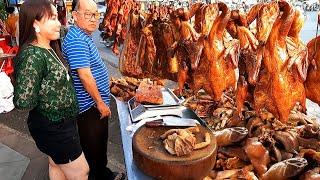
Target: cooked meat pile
<point>181,142</point>
<point>125,88</point>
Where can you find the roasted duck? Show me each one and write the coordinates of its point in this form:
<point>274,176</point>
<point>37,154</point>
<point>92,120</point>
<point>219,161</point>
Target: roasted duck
<point>312,83</point>
<point>248,64</point>
<point>279,87</point>
<point>216,69</point>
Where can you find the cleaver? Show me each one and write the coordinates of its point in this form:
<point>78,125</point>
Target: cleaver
<point>171,121</point>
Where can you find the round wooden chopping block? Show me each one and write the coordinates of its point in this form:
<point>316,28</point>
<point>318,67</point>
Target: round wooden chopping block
<point>152,158</point>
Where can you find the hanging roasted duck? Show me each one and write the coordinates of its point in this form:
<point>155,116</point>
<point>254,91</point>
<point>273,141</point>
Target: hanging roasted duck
<point>188,49</point>
<point>298,62</point>
<point>312,84</point>
<point>248,63</point>
<point>166,34</point>
<point>216,71</point>
<point>251,48</point>
<point>280,88</point>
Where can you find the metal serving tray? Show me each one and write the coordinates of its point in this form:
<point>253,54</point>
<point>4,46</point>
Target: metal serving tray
<point>140,113</point>
<point>170,105</point>
<point>169,99</point>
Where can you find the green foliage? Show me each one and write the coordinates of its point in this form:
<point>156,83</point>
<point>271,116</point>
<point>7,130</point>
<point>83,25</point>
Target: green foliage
<point>3,13</point>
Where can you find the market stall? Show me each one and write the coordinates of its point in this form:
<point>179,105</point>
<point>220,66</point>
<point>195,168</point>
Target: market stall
<point>245,74</point>
<point>150,156</point>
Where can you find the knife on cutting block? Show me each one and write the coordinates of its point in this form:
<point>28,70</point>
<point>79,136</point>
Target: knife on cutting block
<point>171,121</point>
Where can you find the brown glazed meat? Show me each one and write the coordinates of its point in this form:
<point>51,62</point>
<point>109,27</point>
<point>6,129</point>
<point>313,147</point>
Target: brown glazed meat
<point>128,63</point>
<point>285,169</point>
<point>283,86</point>
<point>313,174</point>
<point>149,55</point>
<point>229,136</point>
<point>115,21</point>
<point>258,155</point>
<point>187,48</point>
<point>149,94</point>
<point>204,18</point>
<point>312,83</point>
<point>218,62</point>
<point>249,63</point>
<point>180,142</point>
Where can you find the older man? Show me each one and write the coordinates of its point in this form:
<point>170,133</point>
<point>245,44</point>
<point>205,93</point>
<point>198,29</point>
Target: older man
<point>90,78</point>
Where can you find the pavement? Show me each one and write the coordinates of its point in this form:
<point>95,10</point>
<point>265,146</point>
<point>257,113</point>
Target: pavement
<point>26,162</point>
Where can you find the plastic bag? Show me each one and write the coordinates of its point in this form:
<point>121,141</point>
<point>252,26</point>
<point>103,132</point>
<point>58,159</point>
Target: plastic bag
<point>6,93</point>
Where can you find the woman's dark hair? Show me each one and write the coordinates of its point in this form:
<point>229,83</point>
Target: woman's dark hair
<point>10,10</point>
<point>30,11</point>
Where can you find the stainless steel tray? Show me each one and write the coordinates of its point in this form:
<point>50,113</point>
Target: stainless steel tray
<point>140,111</point>
<point>169,99</point>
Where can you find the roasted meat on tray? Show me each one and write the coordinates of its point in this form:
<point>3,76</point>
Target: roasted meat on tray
<point>149,94</point>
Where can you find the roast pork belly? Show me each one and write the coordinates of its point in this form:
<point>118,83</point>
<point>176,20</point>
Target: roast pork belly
<point>149,94</point>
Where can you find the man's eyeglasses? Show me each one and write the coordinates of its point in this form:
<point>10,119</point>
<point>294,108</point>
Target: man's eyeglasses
<point>88,16</point>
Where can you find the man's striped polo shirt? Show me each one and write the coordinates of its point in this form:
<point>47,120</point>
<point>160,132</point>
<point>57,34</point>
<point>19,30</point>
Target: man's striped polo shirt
<point>80,52</point>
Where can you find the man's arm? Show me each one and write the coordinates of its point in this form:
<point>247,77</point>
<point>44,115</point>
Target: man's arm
<point>90,85</point>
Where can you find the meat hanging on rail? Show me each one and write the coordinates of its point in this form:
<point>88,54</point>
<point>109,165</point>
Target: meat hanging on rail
<point>115,21</point>
<point>210,55</point>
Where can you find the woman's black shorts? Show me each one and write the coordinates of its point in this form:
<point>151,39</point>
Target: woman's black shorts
<point>59,140</point>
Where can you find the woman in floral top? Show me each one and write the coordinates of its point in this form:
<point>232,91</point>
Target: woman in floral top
<point>43,86</point>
